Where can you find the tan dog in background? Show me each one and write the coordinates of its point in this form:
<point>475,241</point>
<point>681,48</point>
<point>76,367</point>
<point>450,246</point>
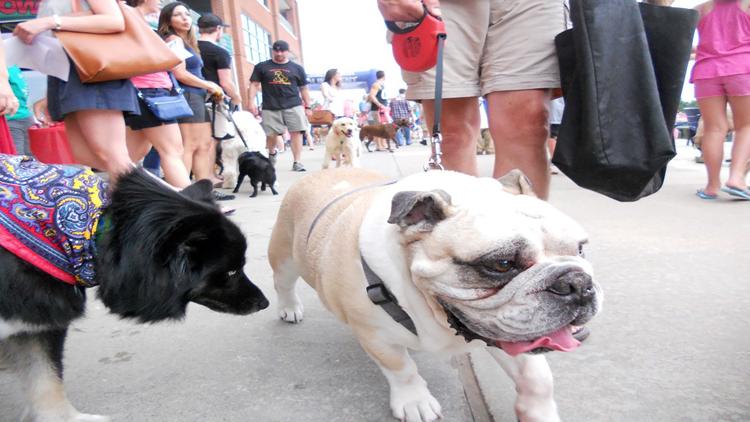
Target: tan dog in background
<point>342,144</point>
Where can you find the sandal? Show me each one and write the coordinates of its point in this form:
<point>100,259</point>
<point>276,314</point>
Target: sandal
<point>703,195</point>
<point>227,210</point>
<point>737,192</point>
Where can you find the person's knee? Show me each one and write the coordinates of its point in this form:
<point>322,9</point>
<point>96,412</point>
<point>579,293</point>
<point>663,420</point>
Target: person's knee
<point>525,126</point>
<point>459,134</point>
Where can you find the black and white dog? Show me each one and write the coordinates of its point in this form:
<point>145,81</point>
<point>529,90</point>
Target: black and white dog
<point>161,250</point>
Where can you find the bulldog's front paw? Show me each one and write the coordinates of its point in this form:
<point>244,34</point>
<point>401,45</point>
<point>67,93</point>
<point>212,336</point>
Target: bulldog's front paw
<point>291,313</point>
<point>414,403</point>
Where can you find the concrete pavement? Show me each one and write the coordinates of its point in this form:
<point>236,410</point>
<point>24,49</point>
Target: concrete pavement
<point>670,345</point>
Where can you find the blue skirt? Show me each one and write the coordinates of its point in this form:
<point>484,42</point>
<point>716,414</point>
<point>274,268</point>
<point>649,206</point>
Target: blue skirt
<point>74,95</point>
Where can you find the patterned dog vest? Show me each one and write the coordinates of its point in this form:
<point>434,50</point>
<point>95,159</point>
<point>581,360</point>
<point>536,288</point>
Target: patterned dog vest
<point>49,214</point>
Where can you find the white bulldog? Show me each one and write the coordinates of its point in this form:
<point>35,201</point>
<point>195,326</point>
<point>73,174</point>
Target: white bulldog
<point>342,143</point>
<point>453,262</point>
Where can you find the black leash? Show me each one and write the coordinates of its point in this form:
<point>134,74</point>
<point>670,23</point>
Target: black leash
<point>228,116</point>
<point>435,162</point>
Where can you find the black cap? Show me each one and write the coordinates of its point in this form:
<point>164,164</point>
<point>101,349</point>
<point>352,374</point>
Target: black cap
<point>280,45</point>
<point>209,20</point>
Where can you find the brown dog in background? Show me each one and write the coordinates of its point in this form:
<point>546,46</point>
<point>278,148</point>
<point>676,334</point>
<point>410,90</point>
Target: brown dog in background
<point>386,131</point>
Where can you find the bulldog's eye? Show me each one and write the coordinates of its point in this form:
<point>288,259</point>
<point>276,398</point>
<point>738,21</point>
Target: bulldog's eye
<point>581,253</point>
<point>231,273</point>
<point>501,266</point>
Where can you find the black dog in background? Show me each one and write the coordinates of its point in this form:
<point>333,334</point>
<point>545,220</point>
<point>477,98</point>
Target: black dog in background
<point>260,170</point>
<point>163,250</point>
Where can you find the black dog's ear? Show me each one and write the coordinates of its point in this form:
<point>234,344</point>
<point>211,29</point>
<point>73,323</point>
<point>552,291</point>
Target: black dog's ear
<point>420,209</point>
<point>201,190</point>
<point>186,237</point>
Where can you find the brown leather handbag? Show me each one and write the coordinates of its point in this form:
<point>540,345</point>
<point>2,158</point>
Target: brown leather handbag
<point>137,50</point>
<point>321,118</point>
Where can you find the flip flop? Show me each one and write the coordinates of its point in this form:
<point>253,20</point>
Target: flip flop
<point>227,210</point>
<point>737,192</point>
<point>703,195</point>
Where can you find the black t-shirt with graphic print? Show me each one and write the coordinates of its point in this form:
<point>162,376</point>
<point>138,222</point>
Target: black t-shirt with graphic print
<point>280,84</point>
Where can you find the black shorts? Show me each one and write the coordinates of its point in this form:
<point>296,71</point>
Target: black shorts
<point>147,119</point>
<point>197,103</point>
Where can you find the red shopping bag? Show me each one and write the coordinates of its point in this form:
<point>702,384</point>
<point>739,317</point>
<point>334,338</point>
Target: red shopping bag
<point>6,141</point>
<point>50,144</point>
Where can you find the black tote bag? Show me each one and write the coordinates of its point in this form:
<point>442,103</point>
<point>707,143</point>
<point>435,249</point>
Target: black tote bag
<point>622,68</point>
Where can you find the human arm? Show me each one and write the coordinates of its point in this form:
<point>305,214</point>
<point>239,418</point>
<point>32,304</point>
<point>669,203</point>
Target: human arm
<point>105,17</point>
<point>186,78</point>
<point>252,92</point>
<point>227,84</point>
<point>407,10</point>
<point>306,100</point>
<point>8,101</point>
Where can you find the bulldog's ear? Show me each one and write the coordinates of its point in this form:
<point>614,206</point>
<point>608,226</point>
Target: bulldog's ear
<point>201,190</point>
<point>517,183</point>
<point>422,208</point>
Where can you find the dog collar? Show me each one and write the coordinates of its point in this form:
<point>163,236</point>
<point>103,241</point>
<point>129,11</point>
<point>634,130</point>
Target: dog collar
<point>381,296</point>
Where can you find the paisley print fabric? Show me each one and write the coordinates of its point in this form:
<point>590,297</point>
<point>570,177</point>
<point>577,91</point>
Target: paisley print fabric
<point>49,214</point>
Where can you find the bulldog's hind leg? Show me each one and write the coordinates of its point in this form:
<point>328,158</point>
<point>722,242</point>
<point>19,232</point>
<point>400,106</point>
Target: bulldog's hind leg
<point>534,385</point>
<point>37,359</point>
<point>411,401</point>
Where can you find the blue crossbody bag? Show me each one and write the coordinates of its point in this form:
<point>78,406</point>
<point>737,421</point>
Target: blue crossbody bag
<point>168,107</point>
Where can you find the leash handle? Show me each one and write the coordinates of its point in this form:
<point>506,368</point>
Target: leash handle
<point>435,162</point>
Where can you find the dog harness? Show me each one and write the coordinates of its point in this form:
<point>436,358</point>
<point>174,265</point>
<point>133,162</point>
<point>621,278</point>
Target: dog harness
<point>49,215</point>
<point>376,289</point>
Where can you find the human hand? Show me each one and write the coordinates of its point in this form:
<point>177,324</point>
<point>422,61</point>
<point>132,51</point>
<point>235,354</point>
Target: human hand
<point>8,101</point>
<point>252,108</point>
<point>27,31</point>
<point>407,10</point>
<point>214,89</point>
<point>41,112</point>
<point>308,113</point>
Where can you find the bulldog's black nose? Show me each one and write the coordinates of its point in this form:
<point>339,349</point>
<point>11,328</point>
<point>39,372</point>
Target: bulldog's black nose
<point>575,285</point>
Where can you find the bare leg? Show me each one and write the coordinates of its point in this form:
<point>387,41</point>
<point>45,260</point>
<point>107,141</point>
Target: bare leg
<point>97,139</point>
<point>715,126</point>
<point>296,145</point>
<point>518,124</point>
<point>533,378</point>
<point>741,147</point>
<point>197,141</point>
<point>168,142</point>
<point>459,125</point>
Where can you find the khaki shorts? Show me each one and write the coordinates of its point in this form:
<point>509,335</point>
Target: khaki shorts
<point>495,45</point>
<point>276,122</point>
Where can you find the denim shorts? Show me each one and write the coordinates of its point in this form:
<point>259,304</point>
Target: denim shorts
<point>147,119</point>
<point>71,96</point>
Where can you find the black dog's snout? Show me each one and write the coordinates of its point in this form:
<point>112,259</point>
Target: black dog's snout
<point>263,304</point>
<point>575,284</point>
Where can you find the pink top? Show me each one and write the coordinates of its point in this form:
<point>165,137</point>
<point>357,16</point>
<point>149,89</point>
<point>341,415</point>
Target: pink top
<point>723,42</point>
<point>152,80</point>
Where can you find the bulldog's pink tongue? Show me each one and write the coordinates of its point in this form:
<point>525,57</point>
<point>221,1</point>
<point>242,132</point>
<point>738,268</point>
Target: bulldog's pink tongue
<point>561,340</point>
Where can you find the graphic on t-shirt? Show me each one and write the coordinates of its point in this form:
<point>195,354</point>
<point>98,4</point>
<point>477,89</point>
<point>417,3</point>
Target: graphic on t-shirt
<point>280,78</point>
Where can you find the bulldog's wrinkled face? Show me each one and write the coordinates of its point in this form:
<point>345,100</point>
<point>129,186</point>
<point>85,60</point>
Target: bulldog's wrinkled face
<point>344,127</point>
<point>508,267</point>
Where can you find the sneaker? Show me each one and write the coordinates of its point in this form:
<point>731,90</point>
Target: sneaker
<point>272,158</point>
<point>221,196</point>
<point>297,166</point>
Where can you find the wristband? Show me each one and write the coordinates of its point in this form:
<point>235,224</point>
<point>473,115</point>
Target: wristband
<point>57,21</point>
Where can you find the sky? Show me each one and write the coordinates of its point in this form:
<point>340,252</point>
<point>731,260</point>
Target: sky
<point>350,35</point>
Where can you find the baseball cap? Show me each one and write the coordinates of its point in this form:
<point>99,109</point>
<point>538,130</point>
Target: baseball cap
<point>280,45</point>
<point>209,20</point>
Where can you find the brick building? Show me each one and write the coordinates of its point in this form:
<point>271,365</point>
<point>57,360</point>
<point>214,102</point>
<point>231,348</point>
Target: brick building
<point>254,26</point>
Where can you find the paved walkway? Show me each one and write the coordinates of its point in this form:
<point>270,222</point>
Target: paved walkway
<point>670,345</point>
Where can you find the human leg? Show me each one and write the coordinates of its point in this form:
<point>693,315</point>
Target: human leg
<point>518,124</point>
<point>167,141</point>
<point>97,139</point>
<point>741,146</point>
<point>715,126</point>
<point>459,126</point>
<point>201,133</point>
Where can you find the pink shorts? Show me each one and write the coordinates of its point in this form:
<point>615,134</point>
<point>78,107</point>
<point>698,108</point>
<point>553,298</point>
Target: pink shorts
<point>723,86</point>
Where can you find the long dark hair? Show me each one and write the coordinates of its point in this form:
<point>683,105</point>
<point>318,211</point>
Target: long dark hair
<point>165,25</point>
<point>329,76</point>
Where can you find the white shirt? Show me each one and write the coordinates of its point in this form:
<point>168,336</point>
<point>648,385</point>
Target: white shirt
<point>331,99</point>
